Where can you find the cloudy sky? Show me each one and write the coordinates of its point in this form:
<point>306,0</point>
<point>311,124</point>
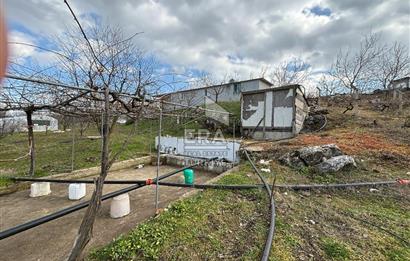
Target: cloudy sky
<point>220,37</point>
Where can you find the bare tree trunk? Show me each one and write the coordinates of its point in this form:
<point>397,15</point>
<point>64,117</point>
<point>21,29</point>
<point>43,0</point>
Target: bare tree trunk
<point>85,232</point>
<point>355,101</point>
<point>30,132</point>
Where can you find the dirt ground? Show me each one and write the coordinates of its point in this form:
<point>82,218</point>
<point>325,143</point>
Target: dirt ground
<point>53,240</point>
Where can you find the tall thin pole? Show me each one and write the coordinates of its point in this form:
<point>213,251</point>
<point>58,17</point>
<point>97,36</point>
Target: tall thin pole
<point>233,147</point>
<point>72,148</point>
<point>158,157</point>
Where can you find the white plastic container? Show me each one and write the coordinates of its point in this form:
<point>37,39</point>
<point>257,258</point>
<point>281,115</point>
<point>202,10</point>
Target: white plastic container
<point>120,206</point>
<point>76,191</point>
<point>39,189</point>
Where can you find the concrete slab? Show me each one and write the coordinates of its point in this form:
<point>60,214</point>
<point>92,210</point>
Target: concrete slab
<point>53,240</point>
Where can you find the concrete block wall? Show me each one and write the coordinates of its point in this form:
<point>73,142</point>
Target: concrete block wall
<point>180,161</point>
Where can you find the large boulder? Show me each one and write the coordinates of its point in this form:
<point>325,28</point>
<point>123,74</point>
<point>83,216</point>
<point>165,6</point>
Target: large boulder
<point>310,156</point>
<point>335,164</point>
<point>331,150</point>
<point>292,159</point>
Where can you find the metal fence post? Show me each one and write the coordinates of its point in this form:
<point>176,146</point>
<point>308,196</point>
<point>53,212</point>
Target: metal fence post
<point>158,157</point>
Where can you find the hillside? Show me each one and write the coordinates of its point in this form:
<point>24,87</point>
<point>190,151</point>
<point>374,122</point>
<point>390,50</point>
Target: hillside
<point>351,224</point>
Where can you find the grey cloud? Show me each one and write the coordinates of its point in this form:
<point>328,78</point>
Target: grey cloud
<point>201,34</point>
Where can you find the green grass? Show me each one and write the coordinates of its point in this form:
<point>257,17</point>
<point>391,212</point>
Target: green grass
<point>232,107</point>
<point>233,224</point>
<point>335,250</point>
<point>53,150</point>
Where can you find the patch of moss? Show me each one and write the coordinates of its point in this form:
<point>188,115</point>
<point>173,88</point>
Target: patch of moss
<point>335,250</point>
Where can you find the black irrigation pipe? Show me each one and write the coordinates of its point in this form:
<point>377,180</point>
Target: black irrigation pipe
<point>87,181</point>
<point>269,239</point>
<point>36,222</point>
<point>211,186</point>
<point>283,186</point>
<point>220,186</point>
<point>337,186</point>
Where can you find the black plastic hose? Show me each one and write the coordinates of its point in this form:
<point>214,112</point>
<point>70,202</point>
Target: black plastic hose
<point>36,222</point>
<point>271,232</point>
<point>218,186</point>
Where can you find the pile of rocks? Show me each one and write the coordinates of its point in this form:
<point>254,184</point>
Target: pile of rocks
<point>325,158</point>
<point>315,120</point>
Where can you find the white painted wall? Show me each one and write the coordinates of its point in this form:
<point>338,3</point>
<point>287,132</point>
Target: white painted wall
<point>200,148</point>
<point>229,94</point>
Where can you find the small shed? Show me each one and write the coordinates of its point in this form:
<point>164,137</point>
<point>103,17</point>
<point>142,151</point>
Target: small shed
<point>274,113</point>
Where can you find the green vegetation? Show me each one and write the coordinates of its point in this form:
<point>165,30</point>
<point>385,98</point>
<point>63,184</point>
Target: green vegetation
<point>232,107</point>
<point>335,250</point>
<point>233,224</point>
<point>353,224</point>
<point>53,150</point>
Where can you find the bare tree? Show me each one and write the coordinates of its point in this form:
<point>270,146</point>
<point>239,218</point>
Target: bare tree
<point>392,63</point>
<point>119,75</point>
<point>353,70</point>
<point>328,86</point>
<point>217,90</point>
<point>31,98</point>
<point>294,71</point>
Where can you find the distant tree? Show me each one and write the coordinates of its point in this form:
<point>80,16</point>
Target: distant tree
<point>353,69</point>
<point>217,90</point>
<point>391,64</point>
<point>328,86</point>
<point>294,71</point>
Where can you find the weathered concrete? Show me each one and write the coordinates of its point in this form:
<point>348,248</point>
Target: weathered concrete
<point>125,164</point>
<point>120,206</point>
<point>81,173</point>
<point>39,189</point>
<point>203,148</point>
<point>53,240</point>
<point>213,166</point>
<point>76,191</point>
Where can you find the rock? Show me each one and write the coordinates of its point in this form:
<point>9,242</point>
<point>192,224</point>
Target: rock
<point>310,156</point>
<point>292,160</point>
<point>336,163</point>
<point>331,150</point>
<point>313,122</point>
